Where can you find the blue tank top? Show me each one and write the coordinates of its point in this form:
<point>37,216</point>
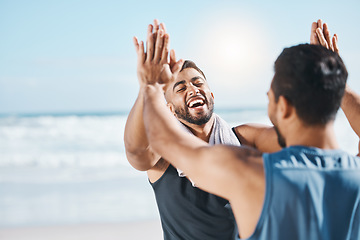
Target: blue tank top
<point>310,194</point>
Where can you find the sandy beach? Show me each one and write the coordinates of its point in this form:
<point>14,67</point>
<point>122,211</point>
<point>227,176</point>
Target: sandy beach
<point>150,230</point>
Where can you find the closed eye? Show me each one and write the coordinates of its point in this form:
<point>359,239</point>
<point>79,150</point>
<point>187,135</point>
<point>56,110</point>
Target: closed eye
<point>197,81</point>
<point>181,89</point>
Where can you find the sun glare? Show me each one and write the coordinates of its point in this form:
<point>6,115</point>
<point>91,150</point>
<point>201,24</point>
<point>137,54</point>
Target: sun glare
<point>234,47</point>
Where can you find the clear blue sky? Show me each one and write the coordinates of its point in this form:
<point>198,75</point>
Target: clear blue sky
<point>69,56</point>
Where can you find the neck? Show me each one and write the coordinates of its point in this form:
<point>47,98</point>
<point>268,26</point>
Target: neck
<point>315,136</point>
<point>201,131</point>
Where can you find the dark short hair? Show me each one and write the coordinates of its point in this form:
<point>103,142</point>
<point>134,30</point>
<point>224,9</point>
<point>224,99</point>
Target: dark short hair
<point>191,64</point>
<point>312,78</point>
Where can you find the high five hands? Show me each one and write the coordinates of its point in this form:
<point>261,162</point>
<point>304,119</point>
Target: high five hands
<point>320,35</point>
<point>154,65</point>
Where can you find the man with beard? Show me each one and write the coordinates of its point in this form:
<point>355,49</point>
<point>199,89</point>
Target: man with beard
<point>186,211</point>
<point>308,190</point>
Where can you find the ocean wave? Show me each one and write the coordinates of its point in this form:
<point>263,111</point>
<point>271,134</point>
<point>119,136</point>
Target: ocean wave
<point>97,141</point>
<point>49,141</point>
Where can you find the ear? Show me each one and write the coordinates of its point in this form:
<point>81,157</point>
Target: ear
<point>171,107</point>
<point>285,108</point>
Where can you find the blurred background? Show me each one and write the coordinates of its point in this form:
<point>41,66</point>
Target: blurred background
<point>68,81</point>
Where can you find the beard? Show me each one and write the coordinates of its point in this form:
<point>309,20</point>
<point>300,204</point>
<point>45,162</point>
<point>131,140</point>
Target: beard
<point>199,119</point>
<point>281,139</point>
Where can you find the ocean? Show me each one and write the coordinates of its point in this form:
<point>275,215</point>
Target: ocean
<point>61,169</point>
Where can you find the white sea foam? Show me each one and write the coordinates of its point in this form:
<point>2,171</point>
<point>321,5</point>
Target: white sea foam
<point>47,141</point>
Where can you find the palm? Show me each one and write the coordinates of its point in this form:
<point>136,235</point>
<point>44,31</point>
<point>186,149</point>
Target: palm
<point>152,72</point>
<point>153,65</point>
<point>320,35</point>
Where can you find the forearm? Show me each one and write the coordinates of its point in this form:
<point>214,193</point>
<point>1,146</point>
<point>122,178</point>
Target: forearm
<point>137,146</point>
<point>351,107</point>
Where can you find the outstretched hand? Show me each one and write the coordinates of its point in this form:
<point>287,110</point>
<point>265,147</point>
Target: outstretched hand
<point>320,35</point>
<point>153,66</point>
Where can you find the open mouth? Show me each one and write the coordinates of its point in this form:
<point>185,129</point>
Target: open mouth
<point>196,102</point>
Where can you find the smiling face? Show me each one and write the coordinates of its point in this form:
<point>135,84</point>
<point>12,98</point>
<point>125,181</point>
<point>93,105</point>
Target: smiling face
<point>190,98</point>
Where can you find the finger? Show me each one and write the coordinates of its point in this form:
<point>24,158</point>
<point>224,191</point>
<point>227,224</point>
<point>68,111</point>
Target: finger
<point>139,47</point>
<point>172,58</point>
<point>159,46</point>
<point>165,51</point>
<point>335,44</point>
<point>150,44</point>
<point>162,26</point>
<point>177,67</point>
<point>327,36</point>
<point>156,25</point>
<point>136,44</point>
<point>319,24</point>
<point>156,29</point>
<point>313,36</point>
<point>321,38</point>
<point>149,30</point>
<point>141,53</point>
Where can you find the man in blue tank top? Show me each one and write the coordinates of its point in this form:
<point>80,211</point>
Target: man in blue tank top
<point>308,190</point>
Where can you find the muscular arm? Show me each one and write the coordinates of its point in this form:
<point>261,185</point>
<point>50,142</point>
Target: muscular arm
<point>138,151</point>
<point>231,172</point>
<point>351,107</point>
<point>261,137</point>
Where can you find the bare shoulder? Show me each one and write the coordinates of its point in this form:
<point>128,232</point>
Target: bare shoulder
<point>260,136</point>
<point>251,126</point>
<point>247,133</point>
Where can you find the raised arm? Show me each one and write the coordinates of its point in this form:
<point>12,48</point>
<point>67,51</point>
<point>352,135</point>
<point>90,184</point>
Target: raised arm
<point>138,151</point>
<point>351,107</point>
<point>350,104</point>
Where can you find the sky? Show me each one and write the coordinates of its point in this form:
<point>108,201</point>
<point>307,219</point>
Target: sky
<point>78,56</point>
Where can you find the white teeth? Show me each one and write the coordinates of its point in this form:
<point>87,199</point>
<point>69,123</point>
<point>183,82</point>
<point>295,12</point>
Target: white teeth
<point>191,104</point>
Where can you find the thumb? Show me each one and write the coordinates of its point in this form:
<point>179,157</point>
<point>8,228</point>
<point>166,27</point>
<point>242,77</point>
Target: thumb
<point>313,36</point>
<point>136,44</point>
<point>172,58</point>
<point>177,66</point>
